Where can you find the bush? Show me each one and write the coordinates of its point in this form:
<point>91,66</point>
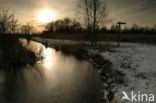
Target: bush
<point>13,53</point>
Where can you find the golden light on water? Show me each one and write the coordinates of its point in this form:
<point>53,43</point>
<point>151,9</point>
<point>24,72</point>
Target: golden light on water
<point>46,16</point>
<point>48,58</point>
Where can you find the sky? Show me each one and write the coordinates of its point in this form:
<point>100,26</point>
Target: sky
<point>141,12</point>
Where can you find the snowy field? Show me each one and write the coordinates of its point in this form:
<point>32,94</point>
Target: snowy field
<point>138,63</point>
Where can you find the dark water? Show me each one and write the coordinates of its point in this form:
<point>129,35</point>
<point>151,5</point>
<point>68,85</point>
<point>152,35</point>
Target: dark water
<point>56,79</point>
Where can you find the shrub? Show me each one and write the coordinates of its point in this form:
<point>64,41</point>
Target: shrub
<point>13,53</point>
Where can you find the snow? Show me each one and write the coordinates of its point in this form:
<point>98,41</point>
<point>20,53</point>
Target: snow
<point>54,41</point>
<point>58,41</point>
<point>138,62</point>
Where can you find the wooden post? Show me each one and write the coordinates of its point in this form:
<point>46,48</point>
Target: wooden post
<point>0,28</point>
<point>119,35</point>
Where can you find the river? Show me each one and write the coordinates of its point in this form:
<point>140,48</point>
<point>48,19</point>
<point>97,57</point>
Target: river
<point>56,79</point>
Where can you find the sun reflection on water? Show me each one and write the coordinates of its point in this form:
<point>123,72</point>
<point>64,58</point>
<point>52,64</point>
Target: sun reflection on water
<point>48,58</point>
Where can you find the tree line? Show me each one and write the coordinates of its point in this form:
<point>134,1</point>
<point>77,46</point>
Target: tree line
<point>65,25</point>
<point>93,14</point>
<point>9,24</point>
<point>68,25</point>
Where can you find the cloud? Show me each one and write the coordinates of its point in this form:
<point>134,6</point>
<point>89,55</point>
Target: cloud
<point>132,11</point>
<point>136,11</point>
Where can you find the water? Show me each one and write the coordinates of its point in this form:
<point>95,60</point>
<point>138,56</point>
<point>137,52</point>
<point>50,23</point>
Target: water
<point>56,79</point>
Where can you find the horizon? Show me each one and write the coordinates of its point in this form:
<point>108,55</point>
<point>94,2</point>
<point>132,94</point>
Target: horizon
<point>141,12</point>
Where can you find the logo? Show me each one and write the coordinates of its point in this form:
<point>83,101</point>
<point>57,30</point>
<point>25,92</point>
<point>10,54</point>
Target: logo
<point>137,97</point>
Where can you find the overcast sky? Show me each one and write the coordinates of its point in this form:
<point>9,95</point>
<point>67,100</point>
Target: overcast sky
<point>142,12</point>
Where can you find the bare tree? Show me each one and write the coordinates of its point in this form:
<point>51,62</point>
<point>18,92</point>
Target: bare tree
<point>27,29</point>
<point>64,25</point>
<point>94,12</point>
<point>8,23</point>
<point>114,28</point>
<point>13,25</point>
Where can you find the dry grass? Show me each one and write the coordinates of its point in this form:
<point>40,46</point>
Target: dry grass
<point>70,49</point>
<point>147,38</point>
<point>104,47</point>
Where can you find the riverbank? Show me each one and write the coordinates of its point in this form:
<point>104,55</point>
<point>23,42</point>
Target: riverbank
<point>137,62</point>
<point>133,63</point>
<point>84,50</point>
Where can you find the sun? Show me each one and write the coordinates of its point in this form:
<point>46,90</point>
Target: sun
<point>46,16</point>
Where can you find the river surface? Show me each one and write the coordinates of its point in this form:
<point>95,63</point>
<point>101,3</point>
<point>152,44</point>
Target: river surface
<point>56,79</point>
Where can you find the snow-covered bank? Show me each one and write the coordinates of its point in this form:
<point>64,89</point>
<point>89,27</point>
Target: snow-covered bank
<point>138,62</point>
<point>53,41</point>
<point>135,60</point>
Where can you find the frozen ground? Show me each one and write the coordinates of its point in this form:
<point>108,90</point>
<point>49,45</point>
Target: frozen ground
<point>138,62</point>
<point>54,41</point>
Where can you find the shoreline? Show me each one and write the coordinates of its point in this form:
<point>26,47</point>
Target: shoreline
<point>109,76</point>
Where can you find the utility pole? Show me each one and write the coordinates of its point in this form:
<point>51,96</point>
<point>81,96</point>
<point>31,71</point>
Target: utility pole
<point>119,35</point>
